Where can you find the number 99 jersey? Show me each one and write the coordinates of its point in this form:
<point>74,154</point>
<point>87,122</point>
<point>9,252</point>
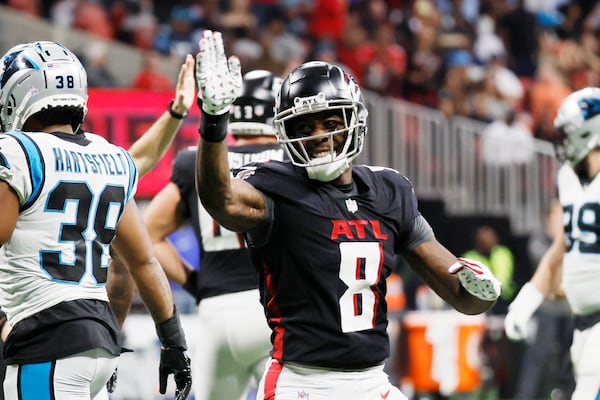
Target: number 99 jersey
<point>581,262</point>
<point>72,190</point>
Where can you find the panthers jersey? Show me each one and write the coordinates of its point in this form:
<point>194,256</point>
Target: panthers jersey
<point>225,264</point>
<point>581,263</point>
<point>72,190</point>
<point>324,264</point>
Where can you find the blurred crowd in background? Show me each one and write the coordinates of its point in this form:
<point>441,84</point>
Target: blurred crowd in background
<point>505,62</point>
<point>492,60</point>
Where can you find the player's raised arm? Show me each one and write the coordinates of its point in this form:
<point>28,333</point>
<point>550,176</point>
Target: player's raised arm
<point>234,203</point>
<point>152,145</point>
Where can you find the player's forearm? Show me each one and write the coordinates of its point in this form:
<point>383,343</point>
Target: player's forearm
<point>213,176</point>
<point>175,267</point>
<point>154,290</point>
<point>547,274</point>
<point>152,145</point>
<point>121,289</point>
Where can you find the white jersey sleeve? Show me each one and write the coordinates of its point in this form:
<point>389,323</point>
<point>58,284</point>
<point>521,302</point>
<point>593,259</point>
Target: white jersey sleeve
<point>72,191</point>
<point>581,262</point>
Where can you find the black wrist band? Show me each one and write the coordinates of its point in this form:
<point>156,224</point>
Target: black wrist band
<point>174,114</point>
<point>170,333</point>
<point>213,128</point>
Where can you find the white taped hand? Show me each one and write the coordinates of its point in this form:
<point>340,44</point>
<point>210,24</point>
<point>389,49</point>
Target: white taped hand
<point>477,279</point>
<point>219,79</point>
<point>521,309</point>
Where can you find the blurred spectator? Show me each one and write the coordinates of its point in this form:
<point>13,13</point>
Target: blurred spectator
<point>425,74</point>
<point>96,65</point>
<point>499,258</point>
<point>263,9</point>
<point>239,20</point>
<point>151,76</point>
<point>31,7</point>
<point>372,14</point>
<point>352,39</point>
<point>498,93</point>
<point>487,44</point>
<point>178,37</point>
<point>62,12</point>
<point>144,28</point>
<point>460,78</point>
<point>92,16</point>
<point>327,19</point>
<point>249,52</point>
<point>519,30</point>
<point>282,47</point>
<point>507,141</point>
<point>547,92</point>
<point>383,62</point>
<point>121,15</point>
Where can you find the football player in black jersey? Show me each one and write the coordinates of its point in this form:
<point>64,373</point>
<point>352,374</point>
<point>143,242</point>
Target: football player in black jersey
<point>232,339</point>
<point>322,232</point>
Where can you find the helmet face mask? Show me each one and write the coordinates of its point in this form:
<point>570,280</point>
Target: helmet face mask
<point>312,90</point>
<point>253,111</point>
<point>578,121</point>
<point>40,76</point>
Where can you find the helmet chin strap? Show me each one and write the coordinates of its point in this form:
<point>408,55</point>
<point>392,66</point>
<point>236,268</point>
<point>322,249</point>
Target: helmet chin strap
<point>327,171</point>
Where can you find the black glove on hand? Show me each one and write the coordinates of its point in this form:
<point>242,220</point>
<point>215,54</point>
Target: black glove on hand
<point>176,362</point>
<point>111,385</point>
<point>173,359</point>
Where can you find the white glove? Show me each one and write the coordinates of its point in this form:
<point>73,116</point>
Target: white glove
<point>477,279</point>
<point>520,311</point>
<point>219,79</point>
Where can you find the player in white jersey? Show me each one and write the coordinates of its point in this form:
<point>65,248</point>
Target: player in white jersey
<point>65,197</point>
<point>572,262</point>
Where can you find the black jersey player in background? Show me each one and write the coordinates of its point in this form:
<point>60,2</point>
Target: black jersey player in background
<point>232,337</point>
<point>322,232</point>
<point>64,196</point>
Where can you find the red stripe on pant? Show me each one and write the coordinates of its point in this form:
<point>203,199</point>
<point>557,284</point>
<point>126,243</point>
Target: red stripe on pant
<point>271,379</point>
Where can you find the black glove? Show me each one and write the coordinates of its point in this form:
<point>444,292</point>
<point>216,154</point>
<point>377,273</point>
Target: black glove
<point>111,385</point>
<point>173,359</point>
<point>176,362</point>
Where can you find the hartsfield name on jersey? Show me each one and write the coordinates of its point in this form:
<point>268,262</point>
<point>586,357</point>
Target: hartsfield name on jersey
<point>356,229</point>
<point>236,160</point>
<point>79,162</point>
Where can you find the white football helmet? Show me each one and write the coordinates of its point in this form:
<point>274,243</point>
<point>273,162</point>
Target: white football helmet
<point>578,120</point>
<point>314,87</point>
<point>39,76</point>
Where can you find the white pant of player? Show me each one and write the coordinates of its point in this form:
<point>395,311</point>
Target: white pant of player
<point>232,346</point>
<point>291,381</point>
<point>585,356</point>
<point>82,376</point>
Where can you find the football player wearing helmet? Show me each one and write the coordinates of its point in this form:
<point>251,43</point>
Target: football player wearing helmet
<point>65,197</point>
<point>233,339</point>
<point>323,233</point>
<point>571,262</point>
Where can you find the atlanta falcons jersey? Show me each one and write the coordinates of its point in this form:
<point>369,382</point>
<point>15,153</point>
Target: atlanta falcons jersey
<point>581,263</point>
<point>326,259</point>
<point>72,190</point>
<point>225,265</point>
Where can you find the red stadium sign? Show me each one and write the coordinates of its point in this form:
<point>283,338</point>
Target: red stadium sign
<point>122,116</point>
